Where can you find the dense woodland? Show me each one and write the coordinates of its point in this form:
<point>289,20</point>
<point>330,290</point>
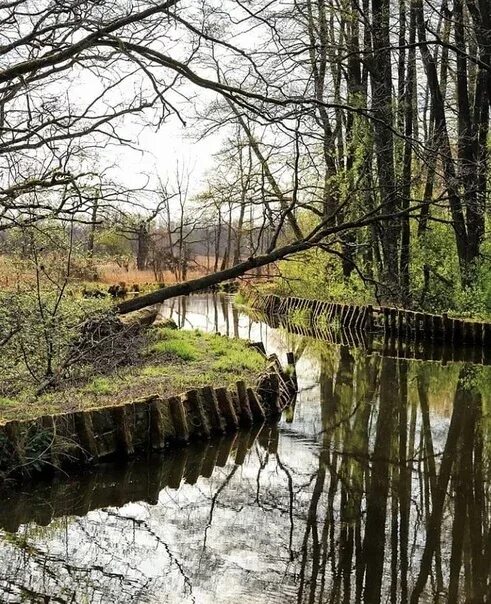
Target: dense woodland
<point>353,160</point>
<point>358,129</point>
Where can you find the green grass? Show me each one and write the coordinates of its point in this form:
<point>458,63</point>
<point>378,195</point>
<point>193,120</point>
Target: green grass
<point>170,362</point>
<point>100,386</point>
<point>153,371</point>
<point>6,402</point>
<point>181,349</point>
<point>236,360</point>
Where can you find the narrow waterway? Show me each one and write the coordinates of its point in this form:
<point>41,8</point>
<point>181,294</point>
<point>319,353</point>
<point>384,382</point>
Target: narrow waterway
<point>375,488</point>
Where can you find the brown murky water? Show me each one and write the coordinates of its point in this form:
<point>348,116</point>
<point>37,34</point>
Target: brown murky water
<point>375,488</point>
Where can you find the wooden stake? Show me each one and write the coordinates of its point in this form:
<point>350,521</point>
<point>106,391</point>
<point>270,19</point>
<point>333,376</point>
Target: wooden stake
<point>179,419</point>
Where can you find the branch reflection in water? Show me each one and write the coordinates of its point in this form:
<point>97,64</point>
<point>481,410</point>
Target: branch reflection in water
<point>375,488</point>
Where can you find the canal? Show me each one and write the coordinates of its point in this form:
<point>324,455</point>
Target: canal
<point>374,488</point>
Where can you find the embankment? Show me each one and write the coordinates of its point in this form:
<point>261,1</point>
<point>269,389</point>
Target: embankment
<point>151,423</point>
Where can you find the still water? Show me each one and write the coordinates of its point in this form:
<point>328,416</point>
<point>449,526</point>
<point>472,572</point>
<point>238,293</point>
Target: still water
<point>375,488</point>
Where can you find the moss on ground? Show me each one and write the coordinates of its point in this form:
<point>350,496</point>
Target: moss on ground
<point>171,362</point>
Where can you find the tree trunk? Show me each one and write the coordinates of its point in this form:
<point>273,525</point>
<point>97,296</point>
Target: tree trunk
<point>143,246</point>
<point>381,77</point>
<point>93,225</point>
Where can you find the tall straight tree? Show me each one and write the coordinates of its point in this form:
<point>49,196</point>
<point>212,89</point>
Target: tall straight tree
<point>382,111</point>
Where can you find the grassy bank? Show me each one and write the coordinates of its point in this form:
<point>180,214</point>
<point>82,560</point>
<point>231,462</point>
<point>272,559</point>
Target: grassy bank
<point>168,362</point>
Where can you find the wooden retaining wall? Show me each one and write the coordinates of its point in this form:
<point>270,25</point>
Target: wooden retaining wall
<point>149,423</point>
<point>396,322</point>
<point>383,344</point>
<point>140,479</point>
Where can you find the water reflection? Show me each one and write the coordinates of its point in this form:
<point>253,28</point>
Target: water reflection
<point>378,490</point>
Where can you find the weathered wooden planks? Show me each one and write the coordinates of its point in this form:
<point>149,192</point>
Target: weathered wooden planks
<point>397,322</point>
<point>151,423</point>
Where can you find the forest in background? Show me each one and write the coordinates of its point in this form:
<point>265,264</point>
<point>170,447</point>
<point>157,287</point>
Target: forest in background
<point>353,159</point>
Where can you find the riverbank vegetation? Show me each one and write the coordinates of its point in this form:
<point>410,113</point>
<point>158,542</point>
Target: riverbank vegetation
<point>316,274</point>
<point>157,360</point>
<point>347,151</point>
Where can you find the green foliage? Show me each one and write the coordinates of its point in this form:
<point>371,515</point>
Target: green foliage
<point>475,301</point>
<point>111,244</point>
<point>434,276</point>
<point>240,298</point>
<point>100,386</point>
<point>40,319</point>
<point>45,327</point>
<point>318,274</point>
<point>436,251</point>
<point>300,317</point>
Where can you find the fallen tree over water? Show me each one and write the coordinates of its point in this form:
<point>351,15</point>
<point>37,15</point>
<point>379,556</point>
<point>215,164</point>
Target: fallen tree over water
<point>322,236</point>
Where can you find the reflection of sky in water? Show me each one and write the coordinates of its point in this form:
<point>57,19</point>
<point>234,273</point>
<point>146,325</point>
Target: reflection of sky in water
<point>216,314</point>
<point>287,524</point>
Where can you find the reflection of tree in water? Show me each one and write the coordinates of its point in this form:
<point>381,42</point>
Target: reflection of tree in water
<point>101,571</point>
<point>400,520</point>
<point>390,502</point>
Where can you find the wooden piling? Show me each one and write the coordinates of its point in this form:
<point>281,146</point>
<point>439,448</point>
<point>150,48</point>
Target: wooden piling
<point>85,433</point>
<point>438,329</point>
<point>486,335</point>
<point>478,334</point>
<point>386,314</point>
<point>227,409</point>
<point>368,319</point>
<point>212,409</point>
<point>400,322</point>
<point>458,331</point>
<point>255,405</point>
<point>467,332</point>
<point>424,328</point>
<point>198,421</point>
<point>259,346</point>
<point>179,419</point>
<point>157,433</point>
<point>12,431</point>
<point>123,434</point>
<point>246,418</point>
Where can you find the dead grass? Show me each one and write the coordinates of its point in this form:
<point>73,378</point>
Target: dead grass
<point>112,273</point>
<point>13,274</point>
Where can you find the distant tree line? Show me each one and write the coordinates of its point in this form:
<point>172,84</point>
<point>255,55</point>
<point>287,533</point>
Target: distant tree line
<point>357,129</point>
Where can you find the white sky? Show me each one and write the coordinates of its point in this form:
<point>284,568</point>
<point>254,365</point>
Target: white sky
<point>173,144</point>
